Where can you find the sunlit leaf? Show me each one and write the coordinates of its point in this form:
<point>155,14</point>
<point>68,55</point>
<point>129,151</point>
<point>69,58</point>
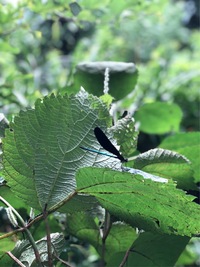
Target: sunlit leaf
<point>148,205</point>
<point>42,149</point>
<point>169,164</point>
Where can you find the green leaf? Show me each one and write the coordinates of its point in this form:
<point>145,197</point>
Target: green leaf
<point>80,203</point>
<point>153,250</point>
<point>7,244</point>
<point>188,144</point>
<point>122,77</point>
<point>7,194</point>
<point>83,227</point>
<point>107,99</point>
<point>169,164</point>
<point>42,150</point>
<point>120,237</point>
<point>148,205</point>
<point>159,118</point>
<point>126,135</point>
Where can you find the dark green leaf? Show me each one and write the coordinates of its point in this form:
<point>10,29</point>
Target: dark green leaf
<point>152,250</point>
<point>122,77</point>
<point>120,238</point>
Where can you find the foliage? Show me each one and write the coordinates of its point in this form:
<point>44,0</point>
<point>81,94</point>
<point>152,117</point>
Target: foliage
<point>85,208</point>
<point>41,157</point>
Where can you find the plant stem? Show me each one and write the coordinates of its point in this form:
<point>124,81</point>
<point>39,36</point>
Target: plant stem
<point>106,230</point>
<point>50,258</point>
<point>28,233</point>
<point>125,258</point>
<point>15,259</point>
<point>64,262</point>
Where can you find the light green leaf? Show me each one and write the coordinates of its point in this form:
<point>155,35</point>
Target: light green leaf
<point>107,99</point>
<point>148,205</point>
<point>159,118</point>
<point>42,150</point>
<point>7,244</point>
<point>188,144</point>
<point>168,164</point>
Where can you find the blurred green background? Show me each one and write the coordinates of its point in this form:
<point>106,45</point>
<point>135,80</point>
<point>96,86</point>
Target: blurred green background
<point>42,42</point>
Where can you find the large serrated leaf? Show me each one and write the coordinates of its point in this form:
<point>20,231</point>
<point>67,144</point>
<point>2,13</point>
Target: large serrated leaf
<point>152,206</point>
<point>159,155</point>
<point>42,150</point>
<point>168,164</point>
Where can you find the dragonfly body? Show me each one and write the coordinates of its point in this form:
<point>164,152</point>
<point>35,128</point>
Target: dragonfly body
<point>106,144</point>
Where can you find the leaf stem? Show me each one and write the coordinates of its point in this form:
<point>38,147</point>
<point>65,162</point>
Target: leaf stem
<point>28,233</point>
<point>63,262</point>
<point>125,258</point>
<point>45,216</point>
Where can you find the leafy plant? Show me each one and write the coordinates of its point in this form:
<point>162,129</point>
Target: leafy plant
<point>67,206</point>
<point>43,166</point>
